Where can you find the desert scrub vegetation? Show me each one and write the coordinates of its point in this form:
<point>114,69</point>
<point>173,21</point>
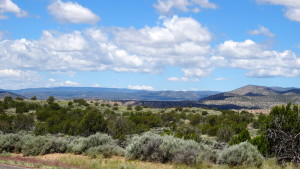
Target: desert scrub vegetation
<point>183,135</point>
<point>30,145</point>
<point>153,147</point>
<point>96,144</point>
<point>147,147</point>
<point>241,154</point>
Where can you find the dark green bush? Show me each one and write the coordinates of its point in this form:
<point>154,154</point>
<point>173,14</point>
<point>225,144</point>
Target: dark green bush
<point>282,130</point>
<point>23,122</point>
<point>92,123</point>
<point>119,127</point>
<point>204,113</point>
<point>262,144</point>
<point>129,107</point>
<point>225,133</point>
<point>138,108</point>
<point>242,137</point>
<point>33,98</point>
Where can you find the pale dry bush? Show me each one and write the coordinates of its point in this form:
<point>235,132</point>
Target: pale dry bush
<point>153,147</point>
<point>241,154</point>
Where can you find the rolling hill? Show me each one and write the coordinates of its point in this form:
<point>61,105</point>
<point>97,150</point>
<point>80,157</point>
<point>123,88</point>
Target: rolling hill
<point>254,97</point>
<point>4,93</point>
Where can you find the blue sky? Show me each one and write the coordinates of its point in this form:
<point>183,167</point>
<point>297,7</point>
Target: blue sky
<point>149,44</point>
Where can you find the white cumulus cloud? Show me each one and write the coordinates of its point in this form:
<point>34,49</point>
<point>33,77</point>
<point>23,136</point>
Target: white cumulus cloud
<point>259,61</point>
<point>70,83</point>
<point>292,7</point>
<point>178,79</point>
<point>261,31</point>
<point>18,74</point>
<point>177,41</point>
<point>142,87</point>
<point>16,79</point>
<point>167,6</point>
<point>8,6</point>
<point>221,79</point>
<point>72,12</point>
<point>63,42</point>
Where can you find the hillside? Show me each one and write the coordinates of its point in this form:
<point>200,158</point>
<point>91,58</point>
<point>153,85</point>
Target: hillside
<point>113,94</point>
<point>4,93</point>
<point>254,97</point>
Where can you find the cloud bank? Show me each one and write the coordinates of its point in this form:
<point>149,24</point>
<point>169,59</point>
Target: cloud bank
<point>177,41</point>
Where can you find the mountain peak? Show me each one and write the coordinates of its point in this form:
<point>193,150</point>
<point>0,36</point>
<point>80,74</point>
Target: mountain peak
<point>252,90</point>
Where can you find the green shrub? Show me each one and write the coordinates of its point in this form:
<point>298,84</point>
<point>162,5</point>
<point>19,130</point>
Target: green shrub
<point>33,98</point>
<point>241,154</point>
<point>92,123</point>
<point>129,107</point>
<point>22,122</point>
<point>1,109</point>
<point>119,127</point>
<point>262,144</point>
<point>178,108</point>
<point>195,119</point>
<point>282,130</point>
<point>138,108</point>
<point>225,133</point>
<point>242,137</point>
<point>40,128</point>
<point>204,113</point>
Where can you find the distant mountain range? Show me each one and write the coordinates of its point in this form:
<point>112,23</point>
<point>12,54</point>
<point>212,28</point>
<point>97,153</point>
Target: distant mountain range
<point>248,97</point>
<point>254,97</point>
<point>112,94</point>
